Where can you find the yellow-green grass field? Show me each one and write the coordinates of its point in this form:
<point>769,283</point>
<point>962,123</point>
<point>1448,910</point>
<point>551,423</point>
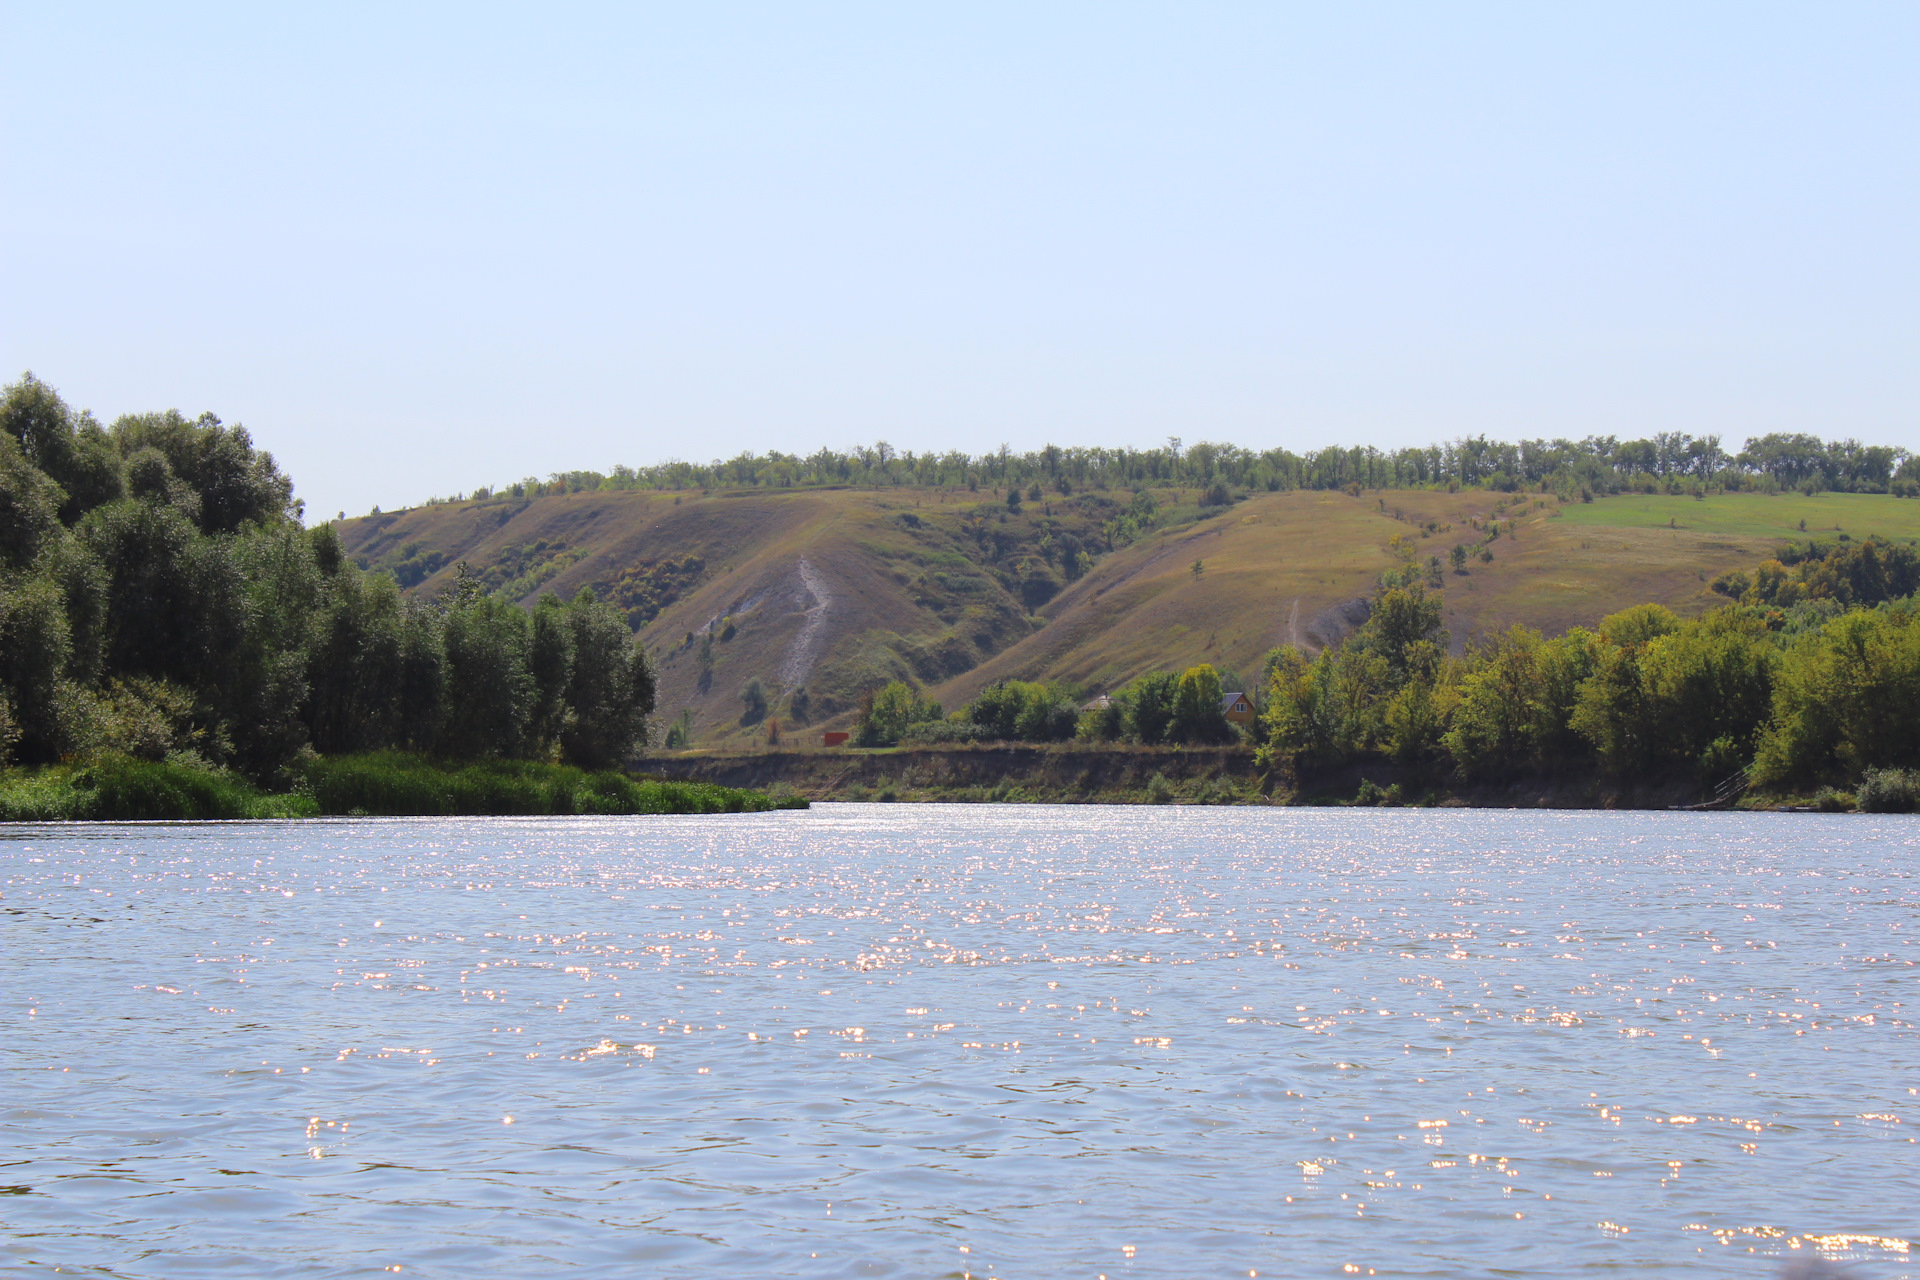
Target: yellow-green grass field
<point>1778,516</point>
<point>1275,566</point>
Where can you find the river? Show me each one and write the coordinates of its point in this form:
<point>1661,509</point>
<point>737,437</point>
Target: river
<point>963,1041</point>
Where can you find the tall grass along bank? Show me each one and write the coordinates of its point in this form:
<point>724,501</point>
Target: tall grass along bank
<point>405,786</point>
<point>388,785</point>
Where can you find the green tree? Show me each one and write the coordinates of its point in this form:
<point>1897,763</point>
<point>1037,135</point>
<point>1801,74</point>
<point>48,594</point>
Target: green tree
<point>1019,710</point>
<point>890,711</point>
<point>1566,663</point>
<point>68,449</point>
<point>1287,727</point>
<point>1327,710</point>
<point>355,671</point>
<point>35,643</point>
<point>996,709</point>
<point>489,689</point>
<point>753,699</point>
<point>235,483</point>
<point>1633,628</point>
<point>29,508</point>
<point>1709,689</point>
<point>680,732</point>
<point>1615,712</point>
<point>1868,572</point>
<point>422,701</point>
<point>1105,722</point>
<point>1402,618</point>
<point>611,690</point>
<point>1047,714</point>
<point>68,564</point>
<point>1416,718</point>
<point>261,698</point>
<point>1361,682</point>
<point>1149,702</point>
<point>550,662</point>
<point>1846,700</point>
<point>1496,722</point>
<point>1197,714</point>
<point>175,602</point>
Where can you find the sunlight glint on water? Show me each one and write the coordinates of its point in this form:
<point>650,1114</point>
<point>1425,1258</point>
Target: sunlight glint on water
<point>963,1041</point>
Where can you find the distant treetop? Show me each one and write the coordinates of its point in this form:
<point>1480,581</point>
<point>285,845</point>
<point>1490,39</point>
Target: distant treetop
<point>1600,464</point>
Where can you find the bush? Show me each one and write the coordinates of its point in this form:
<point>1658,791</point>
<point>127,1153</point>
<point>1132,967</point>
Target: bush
<point>1372,794</point>
<point>1217,791</point>
<point>395,785</point>
<point>1159,790</point>
<point>1017,710</point>
<point>887,713</point>
<point>1889,791</point>
<point>680,732</point>
<point>1103,723</point>
<point>121,789</point>
<point>134,789</point>
<point>753,699</point>
<point>939,732</point>
<point>1834,800</point>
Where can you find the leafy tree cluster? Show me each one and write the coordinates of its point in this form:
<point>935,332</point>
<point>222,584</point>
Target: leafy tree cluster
<point>1159,707</point>
<point>470,675</point>
<point>887,714</point>
<point>159,598</point>
<point>1182,707</point>
<point>1598,464</point>
<point>1850,573</point>
<point>1796,698</point>
<point>1023,711</point>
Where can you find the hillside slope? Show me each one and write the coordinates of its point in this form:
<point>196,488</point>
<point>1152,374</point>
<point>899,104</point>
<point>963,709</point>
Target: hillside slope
<point>832,591</point>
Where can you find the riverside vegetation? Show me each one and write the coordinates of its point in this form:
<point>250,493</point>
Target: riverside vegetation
<point>173,643</point>
<point>1804,684</point>
<point>163,604</point>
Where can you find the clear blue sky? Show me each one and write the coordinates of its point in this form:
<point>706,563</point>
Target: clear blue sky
<point>421,251</point>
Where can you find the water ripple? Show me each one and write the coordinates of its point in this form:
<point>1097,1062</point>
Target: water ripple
<point>962,1042</point>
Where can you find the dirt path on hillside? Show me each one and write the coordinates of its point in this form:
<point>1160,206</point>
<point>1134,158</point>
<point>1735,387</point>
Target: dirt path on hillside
<point>805,649</point>
<point>1293,624</point>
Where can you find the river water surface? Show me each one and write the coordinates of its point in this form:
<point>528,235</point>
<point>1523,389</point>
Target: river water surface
<point>947,1041</point>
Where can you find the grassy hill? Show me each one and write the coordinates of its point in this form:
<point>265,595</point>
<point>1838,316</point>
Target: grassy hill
<point>832,591</point>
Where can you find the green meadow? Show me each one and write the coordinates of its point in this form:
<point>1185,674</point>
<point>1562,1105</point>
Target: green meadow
<point>1755,515</point>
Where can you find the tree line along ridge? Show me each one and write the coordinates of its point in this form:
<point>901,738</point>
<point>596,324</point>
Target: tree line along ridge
<point>1670,461</point>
